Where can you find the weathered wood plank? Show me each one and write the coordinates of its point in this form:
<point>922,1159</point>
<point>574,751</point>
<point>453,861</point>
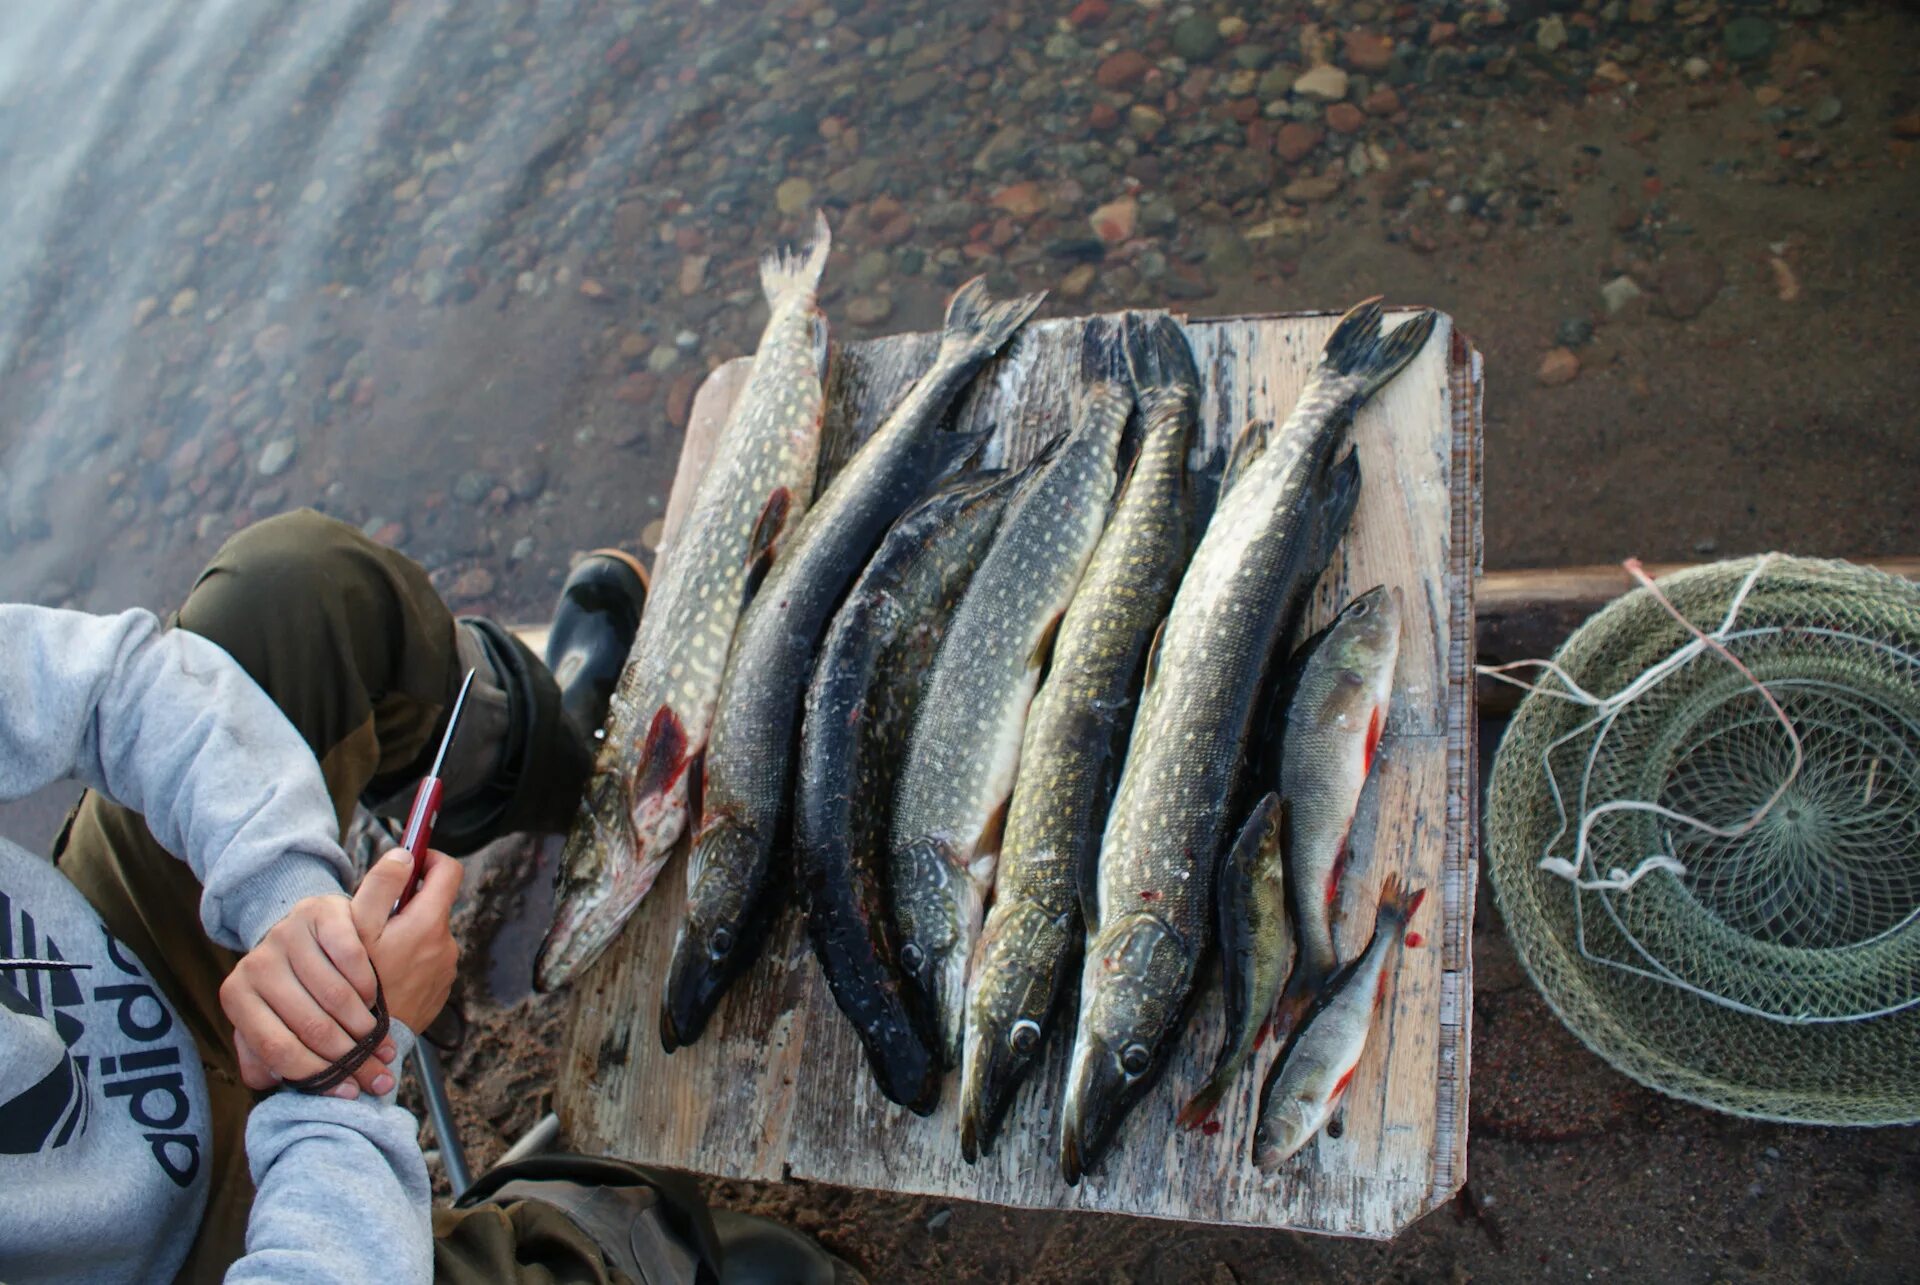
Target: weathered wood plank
<point>780,1085</point>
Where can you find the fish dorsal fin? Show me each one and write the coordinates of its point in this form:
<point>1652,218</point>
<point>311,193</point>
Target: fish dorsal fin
<point>1153,655</point>
<point>764,546</point>
<point>1247,448</point>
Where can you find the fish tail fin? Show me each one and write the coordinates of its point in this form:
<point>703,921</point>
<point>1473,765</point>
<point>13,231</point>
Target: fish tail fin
<point>1397,902</point>
<point>1103,356</point>
<point>1160,361</point>
<point>1359,349</point>
<point>977,326</point>
<point>784,273</point>
<point>1204,1103</point>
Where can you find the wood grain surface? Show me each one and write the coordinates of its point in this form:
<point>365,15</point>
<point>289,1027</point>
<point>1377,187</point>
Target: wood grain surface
<point>779,1087</point>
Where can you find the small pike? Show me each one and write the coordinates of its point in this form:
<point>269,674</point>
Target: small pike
<point>1069,759</point>
<point>745,508</point>
<point>1316,1067</point>
<point>951,804</point>
<point>745,814</point>
<point>860,709</point>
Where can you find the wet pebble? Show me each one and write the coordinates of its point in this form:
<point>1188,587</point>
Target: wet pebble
<point>275,458</point>
<point>474,582</point>
<point>1620,294</point>
<point>472,486</point>
<point>793,196</point>
<point>1367,50</point>
<point>651,533</point>
<point>1574,331</point>
<point>1748,38</point>
<point>1326,83</point>
<point>1827,110</point>
<point>1558,367</point>
<point>527,482</point>
<point>1122,70</point>
<point>1115,221</point>
<point>870,309</point>
<point>1295,141</point>
<point>1345,118</point>
<point>183,302</point>
<point>522,549</point>
<point>1196,38</point>
<point>1687,282</point>
<point>1077,282</point>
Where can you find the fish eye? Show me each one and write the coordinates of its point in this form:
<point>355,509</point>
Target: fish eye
<point>1024,1036</point>
<point>1134,1059</point>
<point>912,956</point>
<point>720,943</point>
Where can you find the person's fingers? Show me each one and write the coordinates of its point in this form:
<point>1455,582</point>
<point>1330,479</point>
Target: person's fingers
<point>254,1072</point>
<point>269,1039</point>
<point>339,937</point>
<point>434,901</point>
<point>384,883</point>
<point>312,1025</point>
<point>319,972</point>
<point>387,1051</point>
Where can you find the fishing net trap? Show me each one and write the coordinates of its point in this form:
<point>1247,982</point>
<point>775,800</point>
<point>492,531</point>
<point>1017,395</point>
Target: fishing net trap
<point>1705,838</point>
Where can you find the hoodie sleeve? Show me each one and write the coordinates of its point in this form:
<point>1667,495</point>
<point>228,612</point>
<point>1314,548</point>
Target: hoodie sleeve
<point>341,1190</point>
<point>168,724</point>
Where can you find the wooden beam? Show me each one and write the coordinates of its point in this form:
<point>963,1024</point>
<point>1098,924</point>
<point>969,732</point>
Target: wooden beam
<point>1526,615</point>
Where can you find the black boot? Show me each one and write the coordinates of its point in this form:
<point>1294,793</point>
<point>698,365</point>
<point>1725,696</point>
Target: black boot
<point>593,629</point>
<point>654,1227</point>
<point>527,739</point>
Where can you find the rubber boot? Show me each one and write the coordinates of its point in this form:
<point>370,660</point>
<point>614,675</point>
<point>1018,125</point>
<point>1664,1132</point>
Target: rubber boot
<point>655,1228</point>
<point>593,630</point>
<point>526,742</point>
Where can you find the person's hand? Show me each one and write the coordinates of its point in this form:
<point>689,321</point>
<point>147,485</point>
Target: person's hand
<point>414,949</point>
<point>301,998</point>
<point>294,1015</point>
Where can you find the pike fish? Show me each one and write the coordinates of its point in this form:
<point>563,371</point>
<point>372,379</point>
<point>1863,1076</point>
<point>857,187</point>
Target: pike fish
<point>762,476</point>
<point>950,806</point>
<point>745,814</point>
<point>1317,1064</point>
<point>1333,723</point>
<point>1270,536</point>
<point>1076,733</point>
<point>859,713</point>
<point>1329,717</point>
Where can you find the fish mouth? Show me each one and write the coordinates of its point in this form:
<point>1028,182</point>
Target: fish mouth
<point>989,1073</point>
<point>1098,1094</point>
<point>692,993</point>
<point>585,923</point>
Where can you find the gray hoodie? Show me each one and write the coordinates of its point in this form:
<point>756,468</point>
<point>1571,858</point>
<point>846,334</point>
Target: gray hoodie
<point>103,1108</point>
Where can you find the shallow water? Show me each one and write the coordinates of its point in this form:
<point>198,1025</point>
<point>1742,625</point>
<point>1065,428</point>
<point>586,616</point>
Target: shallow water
<point>452,271</point>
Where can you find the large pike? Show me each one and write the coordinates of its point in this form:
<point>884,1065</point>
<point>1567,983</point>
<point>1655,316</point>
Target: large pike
<point>1076,733</point>
<point>1331,716</point>
<point>860,706</point>
<point>950,807</point>
<point>747,502</point>
<point>1317,1064</point>
<point>756,734</point>
<point>1270,536</point>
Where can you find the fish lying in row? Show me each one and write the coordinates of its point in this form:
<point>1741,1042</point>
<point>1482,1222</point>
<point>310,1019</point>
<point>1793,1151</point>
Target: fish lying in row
<point>1317,1064</point>
<point>647,773</point>
<point>950,805</point>
<point>732,872</point>
<point>866,689</point>
<point>1075,736</point>
<point>1279,883</point>
<point>1282,511</point>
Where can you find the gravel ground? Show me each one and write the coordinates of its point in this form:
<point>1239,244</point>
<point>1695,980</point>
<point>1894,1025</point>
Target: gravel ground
<point>452,273</point>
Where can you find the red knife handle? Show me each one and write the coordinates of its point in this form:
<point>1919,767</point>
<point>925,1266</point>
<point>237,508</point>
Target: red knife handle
<point>419,835</point>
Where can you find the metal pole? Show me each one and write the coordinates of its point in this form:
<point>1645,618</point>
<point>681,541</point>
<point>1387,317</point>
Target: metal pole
<point>434,1083</point>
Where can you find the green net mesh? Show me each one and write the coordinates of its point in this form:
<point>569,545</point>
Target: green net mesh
<point>1773,972</point>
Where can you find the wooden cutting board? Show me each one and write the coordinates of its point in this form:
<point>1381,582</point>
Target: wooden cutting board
<point>778,1088</point>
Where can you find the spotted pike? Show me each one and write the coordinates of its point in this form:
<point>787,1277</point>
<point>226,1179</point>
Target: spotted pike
<point>743,510</point>
<point>1076,733</point>
<point>1269,538</point>
<point>866,685</point>
<point>950,807</point>
<point>1317,1064</point>
<point>1334,720</point>
<point>749,774</point>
